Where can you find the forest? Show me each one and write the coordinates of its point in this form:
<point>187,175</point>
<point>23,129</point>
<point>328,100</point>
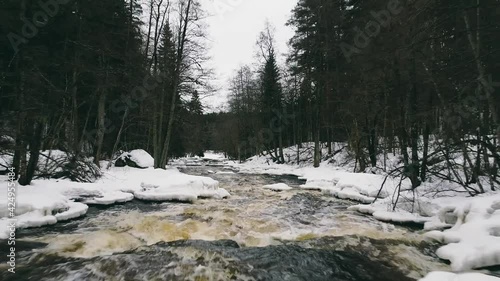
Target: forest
<point>315,140</point>
<point>413,79</point>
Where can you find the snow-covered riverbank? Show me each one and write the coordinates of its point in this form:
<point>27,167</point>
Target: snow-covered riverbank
<point>47,202</point>
<point>469,227</point>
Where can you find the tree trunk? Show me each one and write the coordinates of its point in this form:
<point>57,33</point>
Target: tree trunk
<point>475,48</point>
<point>423,168</point>
<point>317,146</point>
<point>35,144</point>
<point>176,82</point>
<point>118,137</point>
<point>74,102</point>
<point>101,116</point>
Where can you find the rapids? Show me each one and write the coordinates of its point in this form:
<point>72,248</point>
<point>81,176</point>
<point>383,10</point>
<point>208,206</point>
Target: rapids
<point>256,234</point>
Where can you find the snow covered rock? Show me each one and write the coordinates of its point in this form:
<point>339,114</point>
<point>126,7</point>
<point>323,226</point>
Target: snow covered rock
<point>277,187</point>
<point>136,159</point>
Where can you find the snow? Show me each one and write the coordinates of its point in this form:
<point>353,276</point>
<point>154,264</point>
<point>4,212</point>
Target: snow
<point>140,157</point>
<point>468,226</point>
<point>277,187</point>
<point>331,180</point>
<point>5,162</point>
<point>167,195</point>
<point>110,198</point>
<point>447,276</point>
<point>381,211</point>
<point>40,217</point>
<point>225,173</point>
<point>212,155</point>
<point>51,161</point>
<point>30,198</point>
<point>47,202</point>
<point>349,194</point>
<point>180,187</point>
<point>187,162</point>
<point>75,210</point>
<point>399,217</point>
<point>365,184</point>
<point>474,240</point>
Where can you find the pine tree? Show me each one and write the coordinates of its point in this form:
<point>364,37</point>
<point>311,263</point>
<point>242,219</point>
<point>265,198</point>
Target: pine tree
<point>272,98</point>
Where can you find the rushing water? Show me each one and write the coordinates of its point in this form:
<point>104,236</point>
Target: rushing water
<point>254,235</point>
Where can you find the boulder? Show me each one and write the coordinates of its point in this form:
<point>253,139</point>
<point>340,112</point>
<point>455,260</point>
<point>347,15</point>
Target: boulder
<point>136,159</point>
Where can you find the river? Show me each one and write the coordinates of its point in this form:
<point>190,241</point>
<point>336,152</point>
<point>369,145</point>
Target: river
<point>256,234</point>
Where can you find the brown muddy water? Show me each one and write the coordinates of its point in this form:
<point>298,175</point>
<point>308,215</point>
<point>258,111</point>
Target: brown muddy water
<point>254,235</point>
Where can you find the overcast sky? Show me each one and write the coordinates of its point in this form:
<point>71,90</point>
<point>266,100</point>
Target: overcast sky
<point>233,30</point>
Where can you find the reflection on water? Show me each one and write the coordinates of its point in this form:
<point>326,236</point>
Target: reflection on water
<point>292,233</point>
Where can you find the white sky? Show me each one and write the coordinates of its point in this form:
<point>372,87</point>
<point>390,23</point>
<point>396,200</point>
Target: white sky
<point>233,30</point>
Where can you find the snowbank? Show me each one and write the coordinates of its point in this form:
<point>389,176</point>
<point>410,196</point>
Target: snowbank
<point>468,226</point>
<point>400,217</point>
<point>359,187</point>
<point>277,187</point>
<point>474,239</point>
<point>109,198</point>
<point>37,207</point>
<point>187,162</point>
<point>212,155</point>
<point>331,180</point>
<point>446,276</point>
<point>171,185</point>
<point>49,201</point>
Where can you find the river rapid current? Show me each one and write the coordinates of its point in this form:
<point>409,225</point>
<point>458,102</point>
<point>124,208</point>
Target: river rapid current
<point>256,234</point>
